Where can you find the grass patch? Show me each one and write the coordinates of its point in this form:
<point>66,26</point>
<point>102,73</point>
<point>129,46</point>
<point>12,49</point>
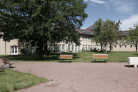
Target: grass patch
<point>11,80</point>
<point>77,57</point>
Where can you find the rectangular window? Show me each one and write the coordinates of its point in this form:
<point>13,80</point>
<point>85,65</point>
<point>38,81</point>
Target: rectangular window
<point>86,47</point>
<point>63,46</point>
<point>75,47</point>
<point>55,47</point>
<point>50,47</point>
<point>69,47</point>
<point>130,46</point>
<point>120,46</point>
<point>14,50</point>
<point>78,48</point>
<point>72,47</point>
<point>59,47</point>
<point>26,46</point>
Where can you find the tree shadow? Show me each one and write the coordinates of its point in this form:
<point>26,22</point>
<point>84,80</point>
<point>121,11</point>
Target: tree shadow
<point>99,61</point>
<point>135,54</point>
<point>50,57</point>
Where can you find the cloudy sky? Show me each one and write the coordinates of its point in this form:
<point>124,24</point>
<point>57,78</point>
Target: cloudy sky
<point>124,10</point>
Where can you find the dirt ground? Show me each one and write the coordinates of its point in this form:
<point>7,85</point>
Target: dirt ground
<point>81,77</point>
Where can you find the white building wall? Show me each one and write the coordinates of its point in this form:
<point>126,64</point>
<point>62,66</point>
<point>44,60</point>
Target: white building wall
<point>124,48</point>
<point>85,44</point>
<point>5,47</point>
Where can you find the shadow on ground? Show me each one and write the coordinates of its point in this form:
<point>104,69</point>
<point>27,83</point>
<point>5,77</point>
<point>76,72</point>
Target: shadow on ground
<point>50,57</point>
<point>129,66</point>
<point>99,61</point>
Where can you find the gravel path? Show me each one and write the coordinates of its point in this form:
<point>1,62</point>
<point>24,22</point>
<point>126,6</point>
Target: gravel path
<point>81,77</point>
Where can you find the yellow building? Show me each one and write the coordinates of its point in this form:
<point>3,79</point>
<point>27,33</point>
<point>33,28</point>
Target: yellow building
<point>9,48</point>
<point>86,44</point>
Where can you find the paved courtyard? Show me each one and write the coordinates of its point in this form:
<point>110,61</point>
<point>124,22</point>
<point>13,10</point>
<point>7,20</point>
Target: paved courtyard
<point>81,77</point>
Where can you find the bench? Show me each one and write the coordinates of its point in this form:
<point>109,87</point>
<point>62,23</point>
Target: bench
<point>6,61</point>
<point>133,61</point>
<point>100,56</point>
<point>66,57</point>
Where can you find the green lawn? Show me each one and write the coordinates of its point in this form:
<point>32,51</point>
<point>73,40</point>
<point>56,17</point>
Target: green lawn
<point>77,57</point>
<point>11,80</point>
<point>112,56</point>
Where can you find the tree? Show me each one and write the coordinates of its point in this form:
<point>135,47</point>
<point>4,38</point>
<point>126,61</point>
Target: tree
<point>41,21</point>
<point>109,33</point>
<point>98,24</point>
<point>106,32</point>
<point>132,36</point>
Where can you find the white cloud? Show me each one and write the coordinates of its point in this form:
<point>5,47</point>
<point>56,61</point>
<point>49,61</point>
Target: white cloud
<point>129,22</point>
<point>123,6</point>
<point>96,1</point>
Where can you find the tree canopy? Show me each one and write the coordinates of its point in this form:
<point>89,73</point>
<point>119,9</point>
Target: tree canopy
<point>41,21</point>
<point>106,32</point>
<point>132,36</point>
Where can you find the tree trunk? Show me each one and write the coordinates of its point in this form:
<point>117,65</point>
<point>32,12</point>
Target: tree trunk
<point>46,50</point>
<point>110,48</point>
<point>41,53</point>
<point>101,47</point>
<point>136,46</point>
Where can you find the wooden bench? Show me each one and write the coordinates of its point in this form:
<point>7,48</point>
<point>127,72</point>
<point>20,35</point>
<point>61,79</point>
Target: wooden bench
<point>100,56</point>
<point>65,57</point>
<point>133,61</point>
<point>6,61</point>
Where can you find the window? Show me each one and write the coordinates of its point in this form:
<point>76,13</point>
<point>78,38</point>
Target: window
<point>86,47</point>
<point>120,46</point>
<point>89,47</point>
<point>83,47</point>
<point>59,47</point>
<point>63,46</point>
<point>115,46</point>
<point>78,48</point>
<point>55,47</point>
<point>69,47</point>
<point>130,46</point>
<point>14,50</point>
<point>26,46</point>
<point>125,46</point>
<point>50,47</point>
<point>75,47</point>
<point>72,47</point>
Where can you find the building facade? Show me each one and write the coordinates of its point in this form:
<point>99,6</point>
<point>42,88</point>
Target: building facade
<point>9,48</point>
<point>86,44</point>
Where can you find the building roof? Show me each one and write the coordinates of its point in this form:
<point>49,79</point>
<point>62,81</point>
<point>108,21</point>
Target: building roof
<point>90,31</point>
<point>85,31</point>
<point>123,33</point>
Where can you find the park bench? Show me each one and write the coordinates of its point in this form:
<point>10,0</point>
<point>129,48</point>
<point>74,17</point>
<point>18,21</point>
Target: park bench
<point>65,57</point>
<point>133,61</point>
<point>100,56</point>
<point>6,61</point>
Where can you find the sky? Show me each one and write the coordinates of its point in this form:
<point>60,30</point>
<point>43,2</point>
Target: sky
<point>124,10</point>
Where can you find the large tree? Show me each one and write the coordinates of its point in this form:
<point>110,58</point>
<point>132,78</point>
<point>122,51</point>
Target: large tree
<point>132,36</point>
<point>97,31</point>
<point>109,32</point>
<point>106,32</point>
<point>41,21</point>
